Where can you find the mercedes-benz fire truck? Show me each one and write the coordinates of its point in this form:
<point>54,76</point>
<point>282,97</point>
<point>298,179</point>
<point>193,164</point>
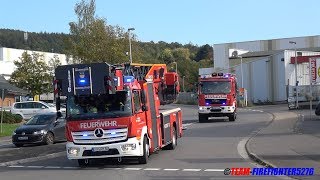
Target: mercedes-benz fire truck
<point>217,96</point>
<point>113,111</point>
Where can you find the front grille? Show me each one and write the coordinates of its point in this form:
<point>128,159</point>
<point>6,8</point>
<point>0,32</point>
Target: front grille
<point>100,153</point>
<point>216,101</point>
<point>109,136</point>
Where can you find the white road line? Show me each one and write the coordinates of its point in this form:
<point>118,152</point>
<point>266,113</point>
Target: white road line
<point>132,169</point>
<point>214,170</point>
<point>152,169</point>
<point>193,170</point>
<point>113,168</point>
<point>52,167</point>
<point>70,167</point>
<point>16,166</point>
<point>34,166</point>
<point>171,169</point>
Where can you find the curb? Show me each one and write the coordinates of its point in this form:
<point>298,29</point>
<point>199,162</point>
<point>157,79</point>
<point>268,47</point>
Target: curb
<point>255,157</point>
<point>33,159</point>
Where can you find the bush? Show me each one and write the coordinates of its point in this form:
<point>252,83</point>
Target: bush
<point>10,118</point>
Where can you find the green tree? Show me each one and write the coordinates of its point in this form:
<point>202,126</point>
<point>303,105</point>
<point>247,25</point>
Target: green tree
<point>92,40</point>
<point>204,52</point>
<point>32,74</point>
<point>53,64</point>
<point>166,56</point>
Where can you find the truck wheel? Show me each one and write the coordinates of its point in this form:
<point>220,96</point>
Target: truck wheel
<point>174,143</point>
<point>144,158</point>
<point>203,118</point>
<point>232,117</point>
<point>83,162</point>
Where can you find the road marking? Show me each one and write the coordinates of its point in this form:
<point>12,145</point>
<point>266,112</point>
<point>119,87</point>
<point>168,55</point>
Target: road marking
<point>132,169</point>
<point>171,169</point>
<point>214,170</point>
<point>52,167</point>
<point>16,166</point>
<point>70,167</point>
<point>113,168</point>
<point>193,170</point>
<point>34,166</point>
<point>152,169</point>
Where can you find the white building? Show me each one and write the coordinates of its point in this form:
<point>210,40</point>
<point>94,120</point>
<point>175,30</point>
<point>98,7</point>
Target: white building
<point>267,67</point>
<point>9,55</point>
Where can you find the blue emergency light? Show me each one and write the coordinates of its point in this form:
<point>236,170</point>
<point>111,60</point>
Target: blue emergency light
<point>128,79</point>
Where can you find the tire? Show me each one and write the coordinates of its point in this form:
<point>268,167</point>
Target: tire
<point>83,162</point>
<point>174,143</point>
<point>18,145</point>
<point>49,139</point>
<point>232,117</point>
<point>144,158</point>
<point>203,118</point>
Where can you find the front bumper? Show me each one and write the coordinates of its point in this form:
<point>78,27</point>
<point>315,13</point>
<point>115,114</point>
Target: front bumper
<point>216,109</point>
<point>115,150</point>
<point>28,139</point>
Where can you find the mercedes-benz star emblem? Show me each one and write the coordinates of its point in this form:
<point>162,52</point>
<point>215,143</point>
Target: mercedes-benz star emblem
<point>98,132</point>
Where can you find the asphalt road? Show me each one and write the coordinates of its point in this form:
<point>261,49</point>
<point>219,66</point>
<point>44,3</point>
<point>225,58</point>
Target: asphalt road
<point>203,152</point>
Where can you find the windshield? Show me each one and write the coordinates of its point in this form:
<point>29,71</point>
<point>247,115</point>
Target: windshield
<point>215,87</point>
<point>99,106</point>
<point>41,119</point>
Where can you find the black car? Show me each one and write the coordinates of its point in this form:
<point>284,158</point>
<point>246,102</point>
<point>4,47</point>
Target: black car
<point>44,128</point>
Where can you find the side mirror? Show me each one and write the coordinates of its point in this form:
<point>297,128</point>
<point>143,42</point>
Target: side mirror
<point>144,108</point>
<point>59,114</point>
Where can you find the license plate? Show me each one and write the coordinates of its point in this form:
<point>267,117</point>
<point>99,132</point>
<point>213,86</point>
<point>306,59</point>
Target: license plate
<point>23,138</point>
<point>100,149</point>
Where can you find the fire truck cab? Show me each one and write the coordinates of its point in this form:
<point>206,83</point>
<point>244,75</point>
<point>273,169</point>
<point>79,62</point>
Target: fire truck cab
<point>217,96</point>
<point>113,111</point>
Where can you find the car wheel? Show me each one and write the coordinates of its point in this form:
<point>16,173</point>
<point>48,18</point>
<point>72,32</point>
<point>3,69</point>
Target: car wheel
<point>18,145</point>
<point>203,118</point>
<point>144,158</point>
<point>49,138</point>
<point>232,117</point>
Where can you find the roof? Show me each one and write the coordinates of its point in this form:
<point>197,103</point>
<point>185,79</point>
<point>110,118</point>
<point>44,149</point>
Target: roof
<point>4,84</point>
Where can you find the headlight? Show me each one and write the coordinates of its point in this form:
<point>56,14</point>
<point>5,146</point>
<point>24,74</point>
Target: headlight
<point>40,132</point>
<point>128,147</point>
<point>14,133</point>
<point>73,150</point>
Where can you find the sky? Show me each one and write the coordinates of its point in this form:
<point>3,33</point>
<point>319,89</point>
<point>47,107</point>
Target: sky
<point>185,21</point>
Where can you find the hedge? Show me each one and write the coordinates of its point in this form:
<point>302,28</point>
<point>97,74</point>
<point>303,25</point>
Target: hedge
<point>10,118</point>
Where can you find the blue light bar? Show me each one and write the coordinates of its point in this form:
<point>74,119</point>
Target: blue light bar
<point>85,135</point>
<point>82,81</point>
<point>113,133</point>
<point>128,79</point>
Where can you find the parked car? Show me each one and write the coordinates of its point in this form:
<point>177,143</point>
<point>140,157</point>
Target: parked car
<point>27,109</point>
<point>45,128</point>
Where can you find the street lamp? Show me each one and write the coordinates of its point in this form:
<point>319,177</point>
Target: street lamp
<point>130,55</point>
<point>183,82</point>
<point>241,71</point>
<point>296,71</point>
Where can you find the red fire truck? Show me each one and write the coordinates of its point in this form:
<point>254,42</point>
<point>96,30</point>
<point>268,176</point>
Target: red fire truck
<point>217,96</point>
<point>113,111</point>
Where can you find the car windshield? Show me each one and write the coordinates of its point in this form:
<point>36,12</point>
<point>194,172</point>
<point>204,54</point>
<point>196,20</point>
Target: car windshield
<point>42,119</point>
<point>99,106</point>
<point>215,87</point>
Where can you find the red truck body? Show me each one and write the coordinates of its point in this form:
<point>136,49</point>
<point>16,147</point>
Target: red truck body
<point>114,113</point>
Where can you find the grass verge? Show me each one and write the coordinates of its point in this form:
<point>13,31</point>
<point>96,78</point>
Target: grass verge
<point>7,129</point>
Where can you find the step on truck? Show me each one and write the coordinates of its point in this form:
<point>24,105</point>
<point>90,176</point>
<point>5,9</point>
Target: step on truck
<point>113,111</point>
<point>217,96</point>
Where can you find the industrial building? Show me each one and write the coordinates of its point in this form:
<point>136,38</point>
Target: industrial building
<point>267,66</point>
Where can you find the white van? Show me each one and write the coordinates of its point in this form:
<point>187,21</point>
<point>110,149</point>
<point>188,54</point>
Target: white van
<point>27,109</point>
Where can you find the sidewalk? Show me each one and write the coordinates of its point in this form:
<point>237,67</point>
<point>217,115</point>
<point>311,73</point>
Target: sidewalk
<point>288,142</point>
